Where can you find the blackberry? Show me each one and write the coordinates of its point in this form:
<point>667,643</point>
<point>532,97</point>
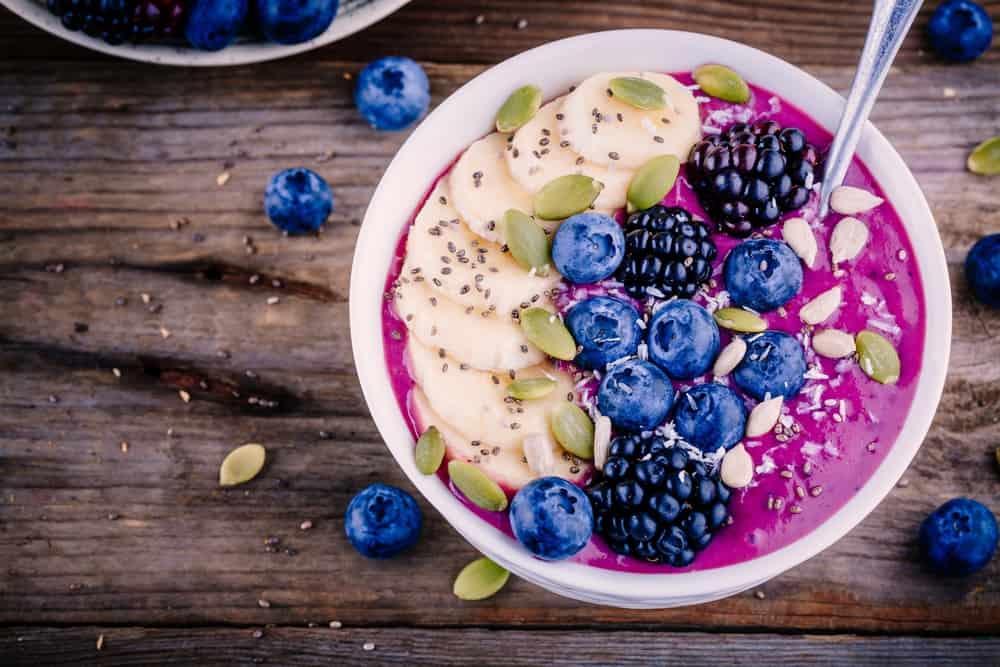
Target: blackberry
<point>119,21</point>
<point>750,175</point>
<point>667,253</point>
<point>654,502</point>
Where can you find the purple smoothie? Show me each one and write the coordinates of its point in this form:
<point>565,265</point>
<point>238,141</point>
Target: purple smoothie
<point>842,424</point>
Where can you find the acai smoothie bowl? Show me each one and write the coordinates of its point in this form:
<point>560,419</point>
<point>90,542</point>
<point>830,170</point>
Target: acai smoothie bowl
<point>603,328</point>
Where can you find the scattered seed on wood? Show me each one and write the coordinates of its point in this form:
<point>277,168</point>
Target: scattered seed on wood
<point>100,642</point>
<point>222,179</point>
<point>124,447</point>
<point>336,625</point>
<point>185,396</point>
<point>263,604</point>
<point>306,525</point>
<point>521,24</point>
<point>272,300</point>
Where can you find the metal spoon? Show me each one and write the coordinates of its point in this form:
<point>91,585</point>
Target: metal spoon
<point>891,20</point>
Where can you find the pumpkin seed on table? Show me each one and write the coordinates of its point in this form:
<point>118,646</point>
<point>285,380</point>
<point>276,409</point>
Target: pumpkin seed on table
<point>429,452</point>
<point>242,464</point>
<point>737,319</point>
<point>529,389</point>
<point>723,83</point>
<point>877,357</point>
<point>652,182</point>
<point>637,92</point>
<point>573,430</point>
<point>520,107</point>
<point>480,579</point>
<point>475,485</point>
<point>565,196</point>
<point>527,242</point>
<point>985,158</point>
<point>546,331</point>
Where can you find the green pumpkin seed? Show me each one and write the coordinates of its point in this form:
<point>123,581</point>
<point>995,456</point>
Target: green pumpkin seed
<point>737,319</point>
<point>573,429</point>
<point>476,486</point>
<point>985,158</point>
<point>652,182</point>
<point>548,333</point>
<point>242,464</point>
<point>530,388</point>
<point>520,107</point>
<point>877,357</point>
<point>429,451</point>
<point>526,241</point>
<point>565,196</point>
<point>639,93</point>
<point>723,83</point>
<point>480,579</point>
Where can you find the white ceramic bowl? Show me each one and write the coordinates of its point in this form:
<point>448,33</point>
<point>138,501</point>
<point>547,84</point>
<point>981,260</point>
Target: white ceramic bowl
<point>352,16</point>
<point>467,115</point>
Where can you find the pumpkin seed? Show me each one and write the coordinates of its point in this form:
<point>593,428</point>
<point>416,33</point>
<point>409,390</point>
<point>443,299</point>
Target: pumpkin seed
<point>573,430</point>
<point>637,92</point>
<point>520,107</point>
<point>430,451</point>
<point>737,319</point>
<point>476,486</point>
<point>877,357</point>
<point>529,389</point>
<point>480,579</point>
<point>565,196</point>
<point>721,82</point>
<point>526,241</point>
<point>652,182</point>
<point>242,464</point>
<point>985,158</point>
<point>548,333</point>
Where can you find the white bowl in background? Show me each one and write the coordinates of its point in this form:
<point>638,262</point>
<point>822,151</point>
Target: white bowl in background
<point>469,114</point>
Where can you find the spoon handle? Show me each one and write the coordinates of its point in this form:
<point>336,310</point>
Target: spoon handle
<point>891,20</point>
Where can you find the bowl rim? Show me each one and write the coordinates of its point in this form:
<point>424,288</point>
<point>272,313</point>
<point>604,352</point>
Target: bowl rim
<point>462,118</point>
<point>241,53</point>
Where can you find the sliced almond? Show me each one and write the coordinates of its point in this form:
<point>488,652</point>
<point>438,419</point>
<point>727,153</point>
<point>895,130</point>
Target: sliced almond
<point>799,235</point>
<point>730,357</point>
<point>602,441</point>
<point>764,416</point>
<point>849,237</point>
<point>833,343</point>
<point>822,307</point>
<point>539,453</point>
<point>849,200</point>
<point>737,468</point>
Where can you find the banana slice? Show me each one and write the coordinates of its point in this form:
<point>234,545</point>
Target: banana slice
<point>444,253</point>
<point>539,154</point>
<point>482,188</point>
<point>483,343</point>
<point>505,465</point>
<point>605,130</point>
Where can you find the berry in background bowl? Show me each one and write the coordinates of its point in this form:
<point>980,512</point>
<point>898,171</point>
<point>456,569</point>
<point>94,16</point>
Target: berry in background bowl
<point>768,434</point>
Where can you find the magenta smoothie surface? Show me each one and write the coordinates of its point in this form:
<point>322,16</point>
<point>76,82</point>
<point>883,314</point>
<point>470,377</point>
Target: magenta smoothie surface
<point>846,422</point>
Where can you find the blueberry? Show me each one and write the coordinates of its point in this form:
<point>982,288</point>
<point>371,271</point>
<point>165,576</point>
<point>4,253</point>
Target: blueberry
<point>298,200</point>
<point>552,518</point>
<point>960,30</point>
<point>982,270</point>
<point>588,247</point>
<point>959,537</point>
<point>665,506</point>
<point>382,520</point>
<point>295,21</point>
<point>710,416</point>
<point>683,339</point>
<point>607,329</point>
<point>635,395</point>
<point>774,365</point>
<point>762,274</point>
<point>214,24</point>
<point>392,93</point>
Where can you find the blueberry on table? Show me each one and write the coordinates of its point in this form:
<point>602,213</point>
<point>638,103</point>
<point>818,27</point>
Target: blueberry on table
<point>762,274</point>
<point>774,365</point>
<point>604,329</point>
<point>683,339</point>
<point>710,416</point>
<point>392,93</point>
<point>635,395</point>
<point>382,520</point>
<point>298,200</point>
<point>959,538</point>
<point>295,21</point>
<point>588,247</point>
<point>960,30</point>
<point>982,270</point>
<point>214,24</point>
<point>552,518</point>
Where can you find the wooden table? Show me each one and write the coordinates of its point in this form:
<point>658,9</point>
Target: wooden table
<point>132,269</point>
